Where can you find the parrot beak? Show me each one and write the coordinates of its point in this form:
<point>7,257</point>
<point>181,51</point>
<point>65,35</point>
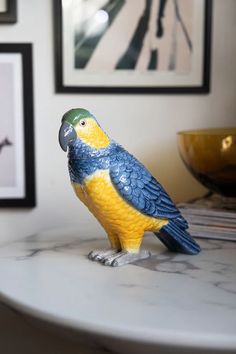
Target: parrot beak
<point>67,135</point>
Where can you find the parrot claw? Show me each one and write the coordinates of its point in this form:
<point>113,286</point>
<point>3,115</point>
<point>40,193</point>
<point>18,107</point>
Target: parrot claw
<point>100,255</point>
<point>124,257</point>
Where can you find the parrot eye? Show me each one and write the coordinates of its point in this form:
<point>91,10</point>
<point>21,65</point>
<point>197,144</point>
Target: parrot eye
<point>82,122</point>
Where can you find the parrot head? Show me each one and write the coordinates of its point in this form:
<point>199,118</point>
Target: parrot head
<point>80,124</point>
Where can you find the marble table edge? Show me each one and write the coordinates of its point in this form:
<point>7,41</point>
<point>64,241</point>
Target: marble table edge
<point>165,338</point>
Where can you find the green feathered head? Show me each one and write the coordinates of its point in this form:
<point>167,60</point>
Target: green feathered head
<point>78,123</point>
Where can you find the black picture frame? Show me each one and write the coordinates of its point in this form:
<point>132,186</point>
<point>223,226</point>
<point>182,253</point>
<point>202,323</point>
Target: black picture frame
<point>10,15</point>
<point>28,200</point>
<point>61,87</point>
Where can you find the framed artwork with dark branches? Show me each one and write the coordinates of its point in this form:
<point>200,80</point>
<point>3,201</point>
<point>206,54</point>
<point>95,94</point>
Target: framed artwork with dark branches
<point>133,46</point>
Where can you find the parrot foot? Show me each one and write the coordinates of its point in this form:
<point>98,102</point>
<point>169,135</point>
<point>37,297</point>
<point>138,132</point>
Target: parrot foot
<point>124,257</point>
<point>100,255</point>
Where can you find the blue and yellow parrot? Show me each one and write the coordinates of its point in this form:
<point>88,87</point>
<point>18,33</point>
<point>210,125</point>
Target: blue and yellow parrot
<point>120,192</point>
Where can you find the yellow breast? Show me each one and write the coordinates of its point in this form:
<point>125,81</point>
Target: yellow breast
<point>113,212</point>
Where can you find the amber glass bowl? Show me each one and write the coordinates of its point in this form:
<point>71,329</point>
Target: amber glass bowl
<point>210,155</point>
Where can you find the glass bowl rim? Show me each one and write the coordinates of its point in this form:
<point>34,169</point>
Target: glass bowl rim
<point>208,132</point>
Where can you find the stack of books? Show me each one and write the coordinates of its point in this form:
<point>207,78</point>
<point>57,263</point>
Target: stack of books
<point>211,217</point>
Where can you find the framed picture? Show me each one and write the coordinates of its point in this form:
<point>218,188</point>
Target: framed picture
<point>7,11</point>
<point>17,177</point>
<point>132,46</point>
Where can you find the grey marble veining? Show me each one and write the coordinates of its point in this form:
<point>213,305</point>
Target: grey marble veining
<point>169,299</point>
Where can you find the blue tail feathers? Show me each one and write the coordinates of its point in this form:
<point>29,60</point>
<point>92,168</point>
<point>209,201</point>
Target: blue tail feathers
<point>176,239</point>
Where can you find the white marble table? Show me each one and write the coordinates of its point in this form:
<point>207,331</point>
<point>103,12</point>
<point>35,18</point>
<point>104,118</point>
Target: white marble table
<point>169,302</point>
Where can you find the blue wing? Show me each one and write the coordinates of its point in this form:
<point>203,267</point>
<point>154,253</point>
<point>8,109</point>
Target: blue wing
<point>137,186</point>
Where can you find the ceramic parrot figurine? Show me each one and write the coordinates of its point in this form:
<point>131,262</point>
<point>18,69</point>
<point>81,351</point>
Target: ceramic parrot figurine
<point>120,192</point>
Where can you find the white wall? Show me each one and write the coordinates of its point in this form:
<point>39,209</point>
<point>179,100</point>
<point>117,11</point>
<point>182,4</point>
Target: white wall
<point>124,117</point>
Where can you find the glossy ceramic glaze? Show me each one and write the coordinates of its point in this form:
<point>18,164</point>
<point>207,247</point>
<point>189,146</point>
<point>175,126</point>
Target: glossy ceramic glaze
<point>210,155</point>
<point>120,192</point>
